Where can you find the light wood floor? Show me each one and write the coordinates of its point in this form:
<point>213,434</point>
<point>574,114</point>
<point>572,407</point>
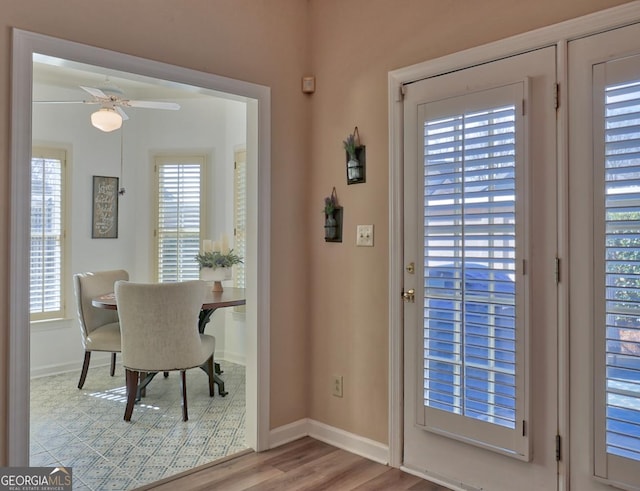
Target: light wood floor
<point>305,464</point>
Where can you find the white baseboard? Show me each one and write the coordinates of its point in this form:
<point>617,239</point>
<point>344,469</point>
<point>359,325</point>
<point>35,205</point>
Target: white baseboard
<point>237,358</point>
<point>288,433</point>
<point>350,442</point>
<point>97,360</point>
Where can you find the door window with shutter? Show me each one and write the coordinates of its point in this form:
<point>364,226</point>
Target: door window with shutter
<point>47,234</point>
<point>179,182</point>
<point>471,361</point>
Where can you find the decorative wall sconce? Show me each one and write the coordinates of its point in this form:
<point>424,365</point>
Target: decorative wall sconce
<point>332,218</point>
<point>356,158</point>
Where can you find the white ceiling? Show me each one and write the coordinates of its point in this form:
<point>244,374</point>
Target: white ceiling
<point>64,74</point>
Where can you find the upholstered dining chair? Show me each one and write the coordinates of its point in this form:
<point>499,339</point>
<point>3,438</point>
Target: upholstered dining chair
<point>159,330</point>
<point>99,327</point>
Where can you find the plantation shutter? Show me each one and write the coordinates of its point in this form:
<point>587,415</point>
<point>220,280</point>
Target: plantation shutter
<point>240,215</point>
<point>617,290</point>
<point>47,234</point>
<point>179,183</point>
<point>472,365</point>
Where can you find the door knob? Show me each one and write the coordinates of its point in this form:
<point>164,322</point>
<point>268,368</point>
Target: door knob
<point>409,295</point>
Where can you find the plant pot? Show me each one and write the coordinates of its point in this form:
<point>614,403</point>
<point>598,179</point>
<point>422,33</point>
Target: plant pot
<point>215,275</point>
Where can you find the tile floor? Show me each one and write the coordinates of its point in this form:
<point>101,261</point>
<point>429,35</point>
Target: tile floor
<point>84,429</point>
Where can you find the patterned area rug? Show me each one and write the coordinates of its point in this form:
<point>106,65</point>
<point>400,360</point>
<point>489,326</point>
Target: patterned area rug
<point>84,429</point>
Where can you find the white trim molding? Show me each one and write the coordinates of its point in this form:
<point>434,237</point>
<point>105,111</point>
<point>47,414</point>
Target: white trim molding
<point>365,447</point>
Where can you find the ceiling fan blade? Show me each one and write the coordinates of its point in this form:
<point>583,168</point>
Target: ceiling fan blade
<point>121,113</point>
<point>154,105</point>
<point>95,92</point>
<point>65,102</point>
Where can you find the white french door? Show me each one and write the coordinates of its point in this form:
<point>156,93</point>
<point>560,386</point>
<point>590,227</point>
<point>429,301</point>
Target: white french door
<point>604,194</point>
<point>480,240</point>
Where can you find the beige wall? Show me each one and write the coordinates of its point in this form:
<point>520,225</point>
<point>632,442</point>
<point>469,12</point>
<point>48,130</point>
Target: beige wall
<point>329,313</point>
<point>355,44</point>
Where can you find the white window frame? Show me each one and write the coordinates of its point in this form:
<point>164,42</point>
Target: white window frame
<point>59,154</point>
<point>190,159</point>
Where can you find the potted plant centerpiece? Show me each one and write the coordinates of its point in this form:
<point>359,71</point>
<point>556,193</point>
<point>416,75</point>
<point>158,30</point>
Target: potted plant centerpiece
<point>216,266</point>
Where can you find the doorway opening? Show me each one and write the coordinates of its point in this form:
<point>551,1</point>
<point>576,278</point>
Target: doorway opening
<point>255,98</point>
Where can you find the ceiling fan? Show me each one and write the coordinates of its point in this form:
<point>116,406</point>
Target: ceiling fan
<point>110,115</point>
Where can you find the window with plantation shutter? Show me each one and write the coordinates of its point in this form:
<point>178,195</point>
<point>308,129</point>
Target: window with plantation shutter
<point>240,215</point>
<point>617,287</point>
<point>179,214</point>
<point>472,361</point>
<point>622,270</point>
<point>47,234</point>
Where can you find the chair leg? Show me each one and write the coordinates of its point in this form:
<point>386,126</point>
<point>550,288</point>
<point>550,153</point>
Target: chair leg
<point>166,374</point>
<point>210,373</point>
<point>113,364</point>
<point>85,368</point>
<point>183,388</point>
<point>131,378</point>
<point>143,392</point>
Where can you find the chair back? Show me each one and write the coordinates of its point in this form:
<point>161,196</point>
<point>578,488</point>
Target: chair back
<point>159,325</point>
<point>88,286</point>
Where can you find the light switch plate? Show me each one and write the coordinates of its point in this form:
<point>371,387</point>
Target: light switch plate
<point>364,236</point>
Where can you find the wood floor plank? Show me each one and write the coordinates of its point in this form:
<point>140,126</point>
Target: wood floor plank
<point>296,457</point>
<point>303,465</point>
<point>394,479</point>
<point>344,470</point>
<point>299,479</point>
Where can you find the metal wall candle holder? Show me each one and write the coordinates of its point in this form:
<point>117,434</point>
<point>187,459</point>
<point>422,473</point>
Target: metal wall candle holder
<point>332,218</point>
<point>356,157</point>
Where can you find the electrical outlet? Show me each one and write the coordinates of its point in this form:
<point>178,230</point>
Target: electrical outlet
<point>364,235</point>
<point>336,385</point>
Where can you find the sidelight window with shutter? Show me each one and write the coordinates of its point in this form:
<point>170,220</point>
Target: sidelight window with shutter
<point>179,182</point>
<point>473,363</point>
<point>47,234</point>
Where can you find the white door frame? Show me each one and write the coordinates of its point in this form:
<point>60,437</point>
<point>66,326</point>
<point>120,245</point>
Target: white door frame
<point>559,35</point>
<point>258,99</point>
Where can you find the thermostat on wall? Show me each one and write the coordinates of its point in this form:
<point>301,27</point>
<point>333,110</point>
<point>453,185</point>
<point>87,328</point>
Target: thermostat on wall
<point>308,85</point>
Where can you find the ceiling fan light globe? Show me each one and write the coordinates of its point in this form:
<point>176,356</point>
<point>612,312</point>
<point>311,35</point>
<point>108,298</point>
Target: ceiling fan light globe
<point>106,119</point>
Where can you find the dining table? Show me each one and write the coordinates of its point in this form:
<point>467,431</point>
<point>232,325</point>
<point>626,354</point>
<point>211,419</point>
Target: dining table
<point>213,300</point>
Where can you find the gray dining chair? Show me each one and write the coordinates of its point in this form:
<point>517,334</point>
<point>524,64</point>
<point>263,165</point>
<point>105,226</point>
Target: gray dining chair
<point>99,328</point>
<point>159,330</point>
